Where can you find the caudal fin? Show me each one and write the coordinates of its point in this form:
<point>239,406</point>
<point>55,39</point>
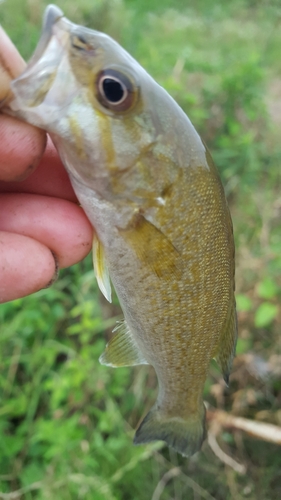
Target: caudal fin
<point>183,435</point>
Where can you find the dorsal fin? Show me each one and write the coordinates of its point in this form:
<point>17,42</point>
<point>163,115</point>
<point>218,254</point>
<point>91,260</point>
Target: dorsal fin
<point>100,268</point>
<point>122,349</point>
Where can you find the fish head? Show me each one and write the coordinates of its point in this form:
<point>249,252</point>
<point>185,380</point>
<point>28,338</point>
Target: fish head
<point>110,121</point>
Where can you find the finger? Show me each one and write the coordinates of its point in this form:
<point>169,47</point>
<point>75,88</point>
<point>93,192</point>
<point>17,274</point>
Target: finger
<point>21,148</point>
<point>58,224</point>
<point>21,145</point>
<point>26,266</point>
<point>50,178</point>
<point>10,57</point>
<point>11,64</point>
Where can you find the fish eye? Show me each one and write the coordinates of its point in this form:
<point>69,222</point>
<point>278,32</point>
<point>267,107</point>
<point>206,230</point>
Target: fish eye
<point>115,90</point>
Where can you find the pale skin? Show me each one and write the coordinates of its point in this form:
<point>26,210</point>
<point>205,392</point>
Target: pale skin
<point>42,228</point>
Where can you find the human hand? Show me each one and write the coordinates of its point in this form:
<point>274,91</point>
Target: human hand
<point>42,228</point>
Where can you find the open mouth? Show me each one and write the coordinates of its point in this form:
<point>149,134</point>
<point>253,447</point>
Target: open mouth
<point>54,35</point>
<point>51,16</point>
<point>34,83</point>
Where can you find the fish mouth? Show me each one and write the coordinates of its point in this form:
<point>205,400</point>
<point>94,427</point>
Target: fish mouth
<point>51,16</point>
<point>31,87</point>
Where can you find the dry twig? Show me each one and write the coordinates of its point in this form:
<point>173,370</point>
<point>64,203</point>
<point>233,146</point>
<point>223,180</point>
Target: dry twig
<point>183,477</point>
<point>260,430</point>
<point>170,474</point>
<point>241,469</point>
<point>18,493</point>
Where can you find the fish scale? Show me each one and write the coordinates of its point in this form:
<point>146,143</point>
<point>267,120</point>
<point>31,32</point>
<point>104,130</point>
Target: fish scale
<point>163,230</point>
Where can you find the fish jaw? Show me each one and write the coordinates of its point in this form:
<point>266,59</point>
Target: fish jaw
<point>37,91</point>
<point>37,94</point>
<point>58,92</point>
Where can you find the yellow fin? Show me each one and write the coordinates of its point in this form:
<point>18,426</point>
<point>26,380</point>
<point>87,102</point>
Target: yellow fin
<point>100,268</point>
<point>152,247</point>
<point>122,350</point>
<point>226,350</point>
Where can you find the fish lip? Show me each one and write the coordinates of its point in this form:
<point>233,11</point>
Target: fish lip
<point>47,55</point>
<point>52,15</point>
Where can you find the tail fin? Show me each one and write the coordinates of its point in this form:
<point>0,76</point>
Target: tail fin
<point>183,435</point>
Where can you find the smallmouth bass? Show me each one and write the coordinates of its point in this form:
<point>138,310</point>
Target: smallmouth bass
<point>163,229</point>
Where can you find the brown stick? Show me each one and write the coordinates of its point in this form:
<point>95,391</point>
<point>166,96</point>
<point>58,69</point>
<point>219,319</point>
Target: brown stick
<point>260,430</point>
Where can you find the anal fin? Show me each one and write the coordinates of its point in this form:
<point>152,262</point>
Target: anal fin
<point>100,268</point>
<point>122,349</point>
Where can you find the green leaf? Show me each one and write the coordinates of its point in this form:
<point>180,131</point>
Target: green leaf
<point>265,314</point>
<point>32,473</point>
<point>243,345</point>
<point>243,302</point>
<point>267,289</point>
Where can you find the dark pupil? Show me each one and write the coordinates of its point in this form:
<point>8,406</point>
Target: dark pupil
<point>113,90</point>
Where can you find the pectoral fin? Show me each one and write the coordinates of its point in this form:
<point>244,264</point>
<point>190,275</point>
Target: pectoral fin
<point>226,349</point>
<point>122,349</point>
<point>100,268</point>
<point>153,247</point>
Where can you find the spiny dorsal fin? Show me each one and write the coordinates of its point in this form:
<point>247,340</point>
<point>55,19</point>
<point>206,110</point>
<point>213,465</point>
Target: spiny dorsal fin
<point>153,247</point>
<point>226,350</point>
<point>100,268</point>
<point>122,350</point>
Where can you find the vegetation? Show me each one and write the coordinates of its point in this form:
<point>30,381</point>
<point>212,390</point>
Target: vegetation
<point>66,423</point>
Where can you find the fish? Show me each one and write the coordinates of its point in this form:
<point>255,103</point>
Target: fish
<point>163,230</point>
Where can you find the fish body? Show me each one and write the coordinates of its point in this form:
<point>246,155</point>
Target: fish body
<point>163,230</point>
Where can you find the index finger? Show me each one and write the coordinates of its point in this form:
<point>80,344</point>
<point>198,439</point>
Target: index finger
<point>49,179</point>
<point>21,145</point>
<point>11,63</point>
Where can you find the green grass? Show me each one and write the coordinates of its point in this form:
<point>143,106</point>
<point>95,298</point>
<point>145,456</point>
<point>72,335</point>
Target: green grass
<point>66,423</point>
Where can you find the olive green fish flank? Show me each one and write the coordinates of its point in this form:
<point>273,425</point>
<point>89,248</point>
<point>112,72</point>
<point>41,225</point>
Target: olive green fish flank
<point>152,247</point>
